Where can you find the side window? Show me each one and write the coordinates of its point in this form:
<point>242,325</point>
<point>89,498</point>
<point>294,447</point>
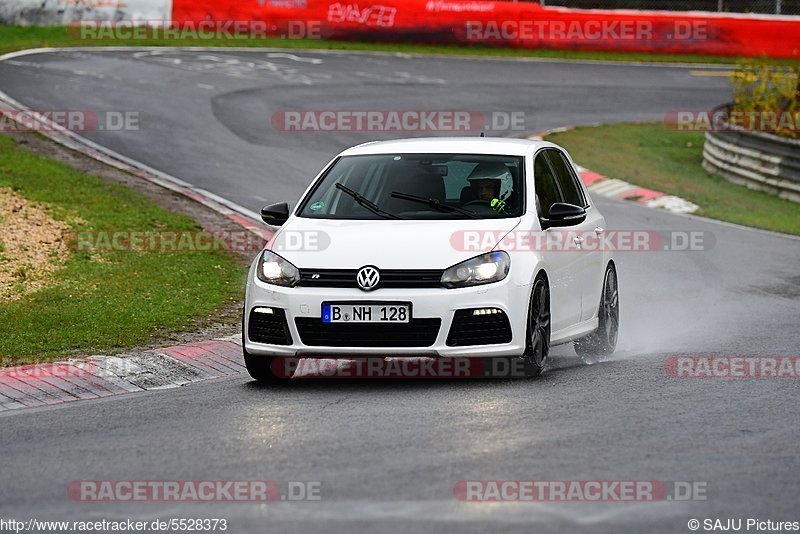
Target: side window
<point>566,179</point>
<point>547,192</point>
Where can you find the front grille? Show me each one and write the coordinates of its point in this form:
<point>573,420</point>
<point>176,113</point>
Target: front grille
<point>471,329</point>
<point>417,333</point>
<point>270,328</point>
<point>390,278</point>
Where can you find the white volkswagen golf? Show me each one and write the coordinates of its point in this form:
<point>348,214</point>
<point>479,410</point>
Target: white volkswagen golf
<point>438,247</point>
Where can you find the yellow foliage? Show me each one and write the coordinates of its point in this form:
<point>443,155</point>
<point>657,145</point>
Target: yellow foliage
<point>769,89</point>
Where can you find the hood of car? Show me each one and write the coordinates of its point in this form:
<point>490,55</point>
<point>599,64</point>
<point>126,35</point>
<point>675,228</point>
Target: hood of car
<point>386,244</point>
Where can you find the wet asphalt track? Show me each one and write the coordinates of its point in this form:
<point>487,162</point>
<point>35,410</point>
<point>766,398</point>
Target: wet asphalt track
<point>389,453</point>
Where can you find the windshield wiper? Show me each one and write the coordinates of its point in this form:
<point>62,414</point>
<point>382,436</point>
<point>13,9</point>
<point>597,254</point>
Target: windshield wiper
<point>435,204</point>
<point>366,203</point>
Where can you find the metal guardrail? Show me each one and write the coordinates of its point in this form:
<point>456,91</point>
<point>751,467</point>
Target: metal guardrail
<point>754,159</point>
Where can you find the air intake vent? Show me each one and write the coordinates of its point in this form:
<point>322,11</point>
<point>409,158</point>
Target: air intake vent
<point>268,325</point>
<point>482,326</point>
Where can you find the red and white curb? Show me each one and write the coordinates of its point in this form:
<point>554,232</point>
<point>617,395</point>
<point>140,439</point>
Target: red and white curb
<point>597,184</point>
<point>95,377</point>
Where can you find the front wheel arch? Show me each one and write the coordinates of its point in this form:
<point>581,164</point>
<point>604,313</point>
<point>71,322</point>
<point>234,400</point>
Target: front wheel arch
<point>603,340</point>
<point>538,326</point>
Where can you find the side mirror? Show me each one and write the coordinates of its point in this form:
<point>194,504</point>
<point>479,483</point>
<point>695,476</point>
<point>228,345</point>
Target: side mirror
<point>563,214</point>
<point>275,214</point>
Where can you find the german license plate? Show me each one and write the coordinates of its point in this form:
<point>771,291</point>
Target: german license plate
<point>365,313</point>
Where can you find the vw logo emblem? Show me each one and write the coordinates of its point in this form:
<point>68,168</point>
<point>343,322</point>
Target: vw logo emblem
<point>368,278</point>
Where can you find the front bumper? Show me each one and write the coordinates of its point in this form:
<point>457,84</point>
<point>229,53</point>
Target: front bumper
<point>303,302</point>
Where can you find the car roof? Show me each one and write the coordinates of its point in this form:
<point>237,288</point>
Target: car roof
<point>451,145</point>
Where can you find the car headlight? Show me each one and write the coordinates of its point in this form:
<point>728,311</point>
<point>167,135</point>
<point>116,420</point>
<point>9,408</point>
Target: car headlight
<point>483,269</point>
<point>273,269</point>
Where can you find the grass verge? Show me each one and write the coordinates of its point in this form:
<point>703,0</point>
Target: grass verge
<point>651,156</point>
<point>14,38</point>
<point>106,300</point>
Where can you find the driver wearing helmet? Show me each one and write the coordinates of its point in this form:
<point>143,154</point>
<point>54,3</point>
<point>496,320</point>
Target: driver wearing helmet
<point>492,183</point>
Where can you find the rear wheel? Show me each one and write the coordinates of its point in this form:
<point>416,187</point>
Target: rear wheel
<point>537,346</point>
<point>603,341</point>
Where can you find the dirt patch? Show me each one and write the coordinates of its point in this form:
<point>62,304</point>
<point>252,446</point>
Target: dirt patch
<point>32,246</point>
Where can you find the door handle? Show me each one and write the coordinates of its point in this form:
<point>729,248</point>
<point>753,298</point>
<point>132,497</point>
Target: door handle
<point>578,240</point>
<point>599,230</point>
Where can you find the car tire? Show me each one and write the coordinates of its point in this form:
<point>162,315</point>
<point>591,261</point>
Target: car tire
<point>537,336</point>
<point>603,341</point>
<point>260,368</point>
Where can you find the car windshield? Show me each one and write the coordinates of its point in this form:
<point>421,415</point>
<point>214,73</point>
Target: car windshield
<point>419,186</point>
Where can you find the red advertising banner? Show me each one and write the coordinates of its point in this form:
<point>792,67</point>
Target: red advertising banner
<point>507,24</point>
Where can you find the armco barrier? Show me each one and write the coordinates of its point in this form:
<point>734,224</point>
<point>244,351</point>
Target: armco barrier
<point>757,160</point>
<point>754,159</point>
<point>514,24</point>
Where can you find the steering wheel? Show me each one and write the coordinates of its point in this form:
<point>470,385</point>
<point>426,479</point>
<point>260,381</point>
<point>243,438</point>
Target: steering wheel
<point>483,207</point>
<point>478,202</point>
